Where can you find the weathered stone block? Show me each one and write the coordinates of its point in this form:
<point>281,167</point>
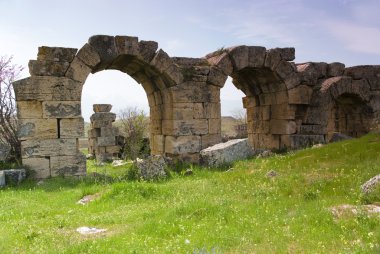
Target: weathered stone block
<point>210,140</point>
<point>228,152</point>
<point>301,141</point>
<point>258,113</point>
<point>101,123</point>
<point>98,108</point>
<point>29,109</point>
<point>105,46</point>
<point>214,126</point>
<point>57,54</point>
<point>216,77</point>
<point>239,57</point>
<point>148,50</point>
<point>300,95</point>
<point>61,109</point>
<point>273,57</point>
<point>103,116</point>
<point>282,126</point>
<point>283,111</point>
<point>210,110</point>
<point>127,45</point>
<point>5,149</point>
<point>264,141</point>
<point>195,92</point>
<point>312,129</point>
<point>40,165</point>
<point>78,70</point>
<point>161,61</point>
<point>37,129</point>
<point>49,147</point>
<point>359,72</point>
<point>287,54</point>
<point>47,68</point>
<point>374,83</point>
<point>155,126</point>
<point>157,143</point>
<point>256,56</point>
<point>221,60</point>
<point>43,88</point>
<point>68,165</point>
<point>71,127</point>
<point>258,126</point>
<point>113,149</point>
<point>185,127</point>
<point>182,144</point>
<point>106,141</point>
<point>88,55</point>
<point>109,132</point>
<point>284,69</point>
<point>250,102</point>
<point>335,69</point>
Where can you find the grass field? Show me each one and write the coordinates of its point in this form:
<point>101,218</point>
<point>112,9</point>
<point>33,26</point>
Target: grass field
<point>235,209</point>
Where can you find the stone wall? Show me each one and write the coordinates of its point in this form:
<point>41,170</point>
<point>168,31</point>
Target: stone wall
<point>288,105</point>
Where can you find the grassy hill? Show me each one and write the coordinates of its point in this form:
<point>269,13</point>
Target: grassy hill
<point>237,209</point>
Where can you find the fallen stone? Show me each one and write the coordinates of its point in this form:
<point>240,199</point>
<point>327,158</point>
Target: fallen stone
<point>271,174</point>
<point>336,137</point>
<point>349,210</point>
<point>370,185</point>
<point>88,198</point>
<point>151,168</point>
<point>317,146</point>
<point>4,151</point>
<point>118,163</point>
<point>188,172</point>
<point>236,149</point>
<point>2,179</point>
<point>90,231</point>
<point>14,176</point>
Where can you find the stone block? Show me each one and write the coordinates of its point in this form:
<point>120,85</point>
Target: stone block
<point>113,149</point>
<point>273,57</point>
<point>221,60</point>
<point>101,123</point>
<point>94,133</point>
<point>57,54</point>
<point>300,95</point>
<point>264,141</point>
<point>335,69</point>
<point>310,72</point>
<point>88,55</point>
<point>29,109</point>
<point>211,110</point>
<point>105,46</point>
<point>147,50</point>
<point>175,74</point>
<point>61,109</point>
<point>2,179</point>
<point>155,126</point>
<point>68,165</point>
<point>287,54</point>
<point>259,113</point>
<point>210,140</point>
<point>37,129</point>
<point>284,69</point>
<point>302,141</point>
<point>250,102</point>
<point>47,68</point>
<point>185,127</point>
<point>71,127</point>
<point>256,56</point>
<point>374,83</point>
<point>106,141</point>
<point>5,149</point>
<point>127,45</point>
<point>258,127</point>
<point>161,61</point>
<point>109,132</point>
<point>103,116</point>
<point>44,88</point>
<point>195,92</point>
<point>230,151</point>
<point>214,126</point>
<point>14,176</point>
<point>361,71</point>
<point>282,127</point>
<point>216,77</point>
<point>312,129</point>
<point>182,144</point>
<point>78,70</point>
<point>239,56</point>
<point>98,108</point>
<point>157,143</point>
<point>283,111</point>
<point>49,147</point>
<point>40,166</point>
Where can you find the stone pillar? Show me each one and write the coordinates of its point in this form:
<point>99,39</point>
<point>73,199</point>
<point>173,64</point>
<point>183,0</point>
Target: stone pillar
<point>102,135</point>
<point>49,114</point>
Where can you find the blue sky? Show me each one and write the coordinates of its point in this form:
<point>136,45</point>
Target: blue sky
<point>345,31</point>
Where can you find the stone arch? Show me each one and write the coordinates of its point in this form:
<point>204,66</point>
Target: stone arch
<point>349,109</point>
<point>272,88</point>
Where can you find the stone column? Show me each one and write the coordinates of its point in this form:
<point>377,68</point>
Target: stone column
<point>102,135</point>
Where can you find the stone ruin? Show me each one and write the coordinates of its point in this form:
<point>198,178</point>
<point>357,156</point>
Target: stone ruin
<point>288,105</point>
<point>102,137</point>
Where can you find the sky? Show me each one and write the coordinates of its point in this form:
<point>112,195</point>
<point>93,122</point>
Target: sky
<point>346,31</point>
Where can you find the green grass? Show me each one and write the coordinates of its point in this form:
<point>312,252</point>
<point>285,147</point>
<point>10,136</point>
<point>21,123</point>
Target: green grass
<point>212,211</point>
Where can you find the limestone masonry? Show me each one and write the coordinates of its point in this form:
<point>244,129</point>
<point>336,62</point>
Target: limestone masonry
<point>288,105</point>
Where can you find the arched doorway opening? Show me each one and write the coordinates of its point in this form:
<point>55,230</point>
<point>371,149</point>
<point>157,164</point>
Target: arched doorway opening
<point>349,115</point>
